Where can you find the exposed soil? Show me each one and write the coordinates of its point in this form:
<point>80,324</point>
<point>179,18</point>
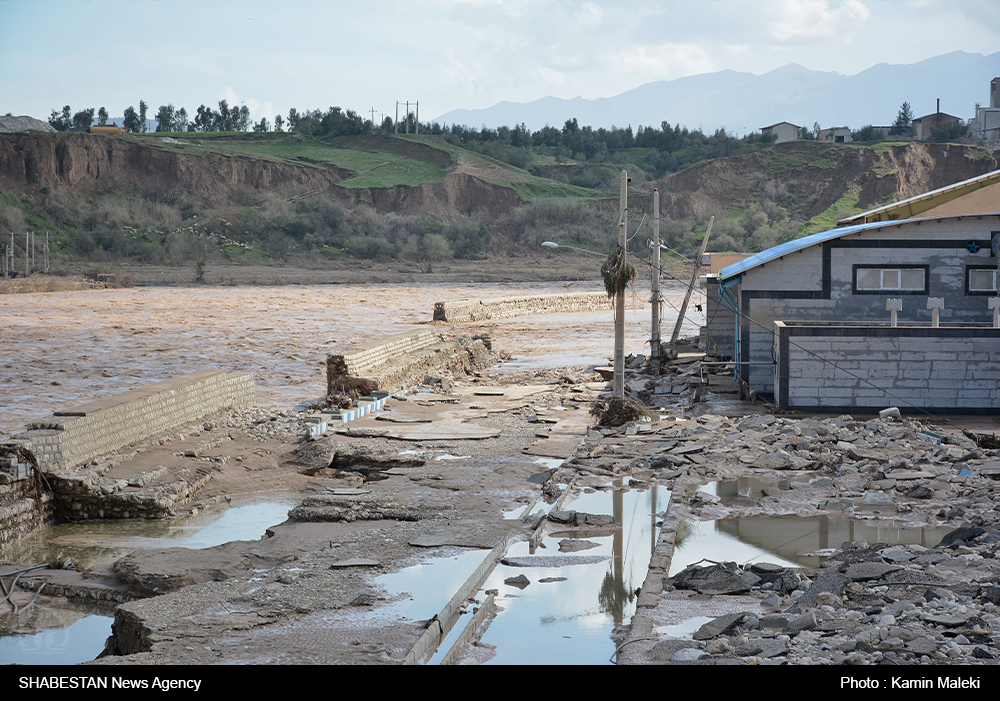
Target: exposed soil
<point>814,176</point>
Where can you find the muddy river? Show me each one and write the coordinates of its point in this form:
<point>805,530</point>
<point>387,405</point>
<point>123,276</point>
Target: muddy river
<point>61,349</point>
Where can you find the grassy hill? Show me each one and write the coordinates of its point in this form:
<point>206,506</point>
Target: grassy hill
<point>279,197</point>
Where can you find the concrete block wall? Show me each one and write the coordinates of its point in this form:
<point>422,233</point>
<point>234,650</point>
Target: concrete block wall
<point>836,368</point>
<point>74,436</point>
<point>368,358</point>
<point>401,361</point>
<point>20,512</point>
<point>472,310</point>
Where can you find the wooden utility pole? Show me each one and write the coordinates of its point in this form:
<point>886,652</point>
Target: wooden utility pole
<point>619,383</point>
<point>654,339</point>
<point>694,279</point>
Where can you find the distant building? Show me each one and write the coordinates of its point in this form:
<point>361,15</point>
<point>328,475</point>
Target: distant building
<point>986,123</point>
<point>836,135</point>
<point>783,131</point>
<point>923,126</point>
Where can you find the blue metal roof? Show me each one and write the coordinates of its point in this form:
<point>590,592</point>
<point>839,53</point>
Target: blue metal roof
<point>783,249</point>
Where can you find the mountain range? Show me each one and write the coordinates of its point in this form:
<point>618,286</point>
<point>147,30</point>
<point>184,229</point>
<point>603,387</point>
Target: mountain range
<point>744,102</point>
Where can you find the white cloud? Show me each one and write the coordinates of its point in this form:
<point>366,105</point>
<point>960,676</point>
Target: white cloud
<point>665,62</point>
<point>812,19</point>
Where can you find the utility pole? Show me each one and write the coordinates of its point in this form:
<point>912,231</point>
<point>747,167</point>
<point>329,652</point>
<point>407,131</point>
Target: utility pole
<point>395,127</point>
<point>694,280</point>
<point>619,383</point>
<point>45,251</point>
<point>416,124</point>
<point>654,340</point>
<point>27,258</point>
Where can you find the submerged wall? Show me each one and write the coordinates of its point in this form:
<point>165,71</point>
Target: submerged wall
<point>470,310</point>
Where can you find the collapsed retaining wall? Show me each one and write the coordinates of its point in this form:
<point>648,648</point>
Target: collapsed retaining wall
<point>470,310</point>
<point>402,361</point>
<point>72,437</point>
<point>840,369</point>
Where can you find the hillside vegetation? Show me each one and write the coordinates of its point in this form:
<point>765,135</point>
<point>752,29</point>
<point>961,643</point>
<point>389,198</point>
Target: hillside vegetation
<point>274,197</point>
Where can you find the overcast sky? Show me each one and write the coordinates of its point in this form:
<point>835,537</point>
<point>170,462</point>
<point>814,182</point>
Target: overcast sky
<point>448,54</point>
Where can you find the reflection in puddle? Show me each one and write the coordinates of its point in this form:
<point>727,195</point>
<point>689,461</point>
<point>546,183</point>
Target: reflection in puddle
<point>787,541</point>
<point>570,621</point>
<point>70,633</point>
<point>92,543</point>
<point>80,641</point>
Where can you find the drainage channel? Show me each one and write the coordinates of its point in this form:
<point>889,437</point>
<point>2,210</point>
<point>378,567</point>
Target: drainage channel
<point>571,604</point>
<point>71,631</point>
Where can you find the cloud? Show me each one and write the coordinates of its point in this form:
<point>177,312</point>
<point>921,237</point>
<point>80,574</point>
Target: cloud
<point>813,19</point>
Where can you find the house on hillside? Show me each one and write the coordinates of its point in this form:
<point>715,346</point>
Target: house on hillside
<point>924,126</point>
<point>836,135</point>
<point>783,131</point>
<point>810,321</point>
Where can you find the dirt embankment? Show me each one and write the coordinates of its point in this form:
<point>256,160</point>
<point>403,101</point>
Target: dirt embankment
<point>86,163</point>
<point>81,164</point>
<point>806,177</point>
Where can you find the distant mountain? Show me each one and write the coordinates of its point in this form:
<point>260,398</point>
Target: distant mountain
<point>743,102</point>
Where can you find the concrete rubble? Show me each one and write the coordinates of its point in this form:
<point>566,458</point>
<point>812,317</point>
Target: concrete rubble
<point>460,450</point>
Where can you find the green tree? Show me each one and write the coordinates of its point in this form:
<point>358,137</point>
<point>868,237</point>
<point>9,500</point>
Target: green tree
<point>63,121</point>
<point>83,119</point>
<point>865,133</point>
<point>143,122</point>
<point>131,124</point>
<point>181,120</point>
<point>279,123</point>
<point>949,131</point>
<point>903,126</point>
<point>262,125</point>
<point>102,116</point>
<point>165,118</point>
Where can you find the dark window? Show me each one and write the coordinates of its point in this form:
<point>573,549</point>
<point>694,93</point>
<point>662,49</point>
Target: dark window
<point>878,280</point>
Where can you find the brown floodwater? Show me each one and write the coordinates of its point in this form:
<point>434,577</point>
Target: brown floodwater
<point>61,349</point>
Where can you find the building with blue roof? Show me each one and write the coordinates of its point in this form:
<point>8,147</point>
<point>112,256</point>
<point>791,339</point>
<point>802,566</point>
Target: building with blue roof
<point>829,292</point>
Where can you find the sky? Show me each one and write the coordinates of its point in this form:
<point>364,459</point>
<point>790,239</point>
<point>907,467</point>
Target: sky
<point>446,54</point>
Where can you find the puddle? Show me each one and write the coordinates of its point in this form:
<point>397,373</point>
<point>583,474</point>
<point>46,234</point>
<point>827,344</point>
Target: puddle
<point>787,541</point>
<point>73,632</point>
<point>75,641</point>
<point>570,621</point>
<point>559,622</point>
<point>102,542</point>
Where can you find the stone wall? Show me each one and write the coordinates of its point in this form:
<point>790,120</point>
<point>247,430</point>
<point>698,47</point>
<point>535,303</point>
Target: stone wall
<point>401,361</point>
<point>20,512</point>
<point>472,310</point>
<point>72,437</point>
<point>837,368</point>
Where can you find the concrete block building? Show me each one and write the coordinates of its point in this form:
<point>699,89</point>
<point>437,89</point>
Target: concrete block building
<point>808,324</point>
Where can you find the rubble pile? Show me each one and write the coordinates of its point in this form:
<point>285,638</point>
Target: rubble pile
<point>868,604</point>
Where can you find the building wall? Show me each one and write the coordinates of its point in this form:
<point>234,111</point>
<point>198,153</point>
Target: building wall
<point>817,284</point>
<point>783,132</point>
<point>836,368</point>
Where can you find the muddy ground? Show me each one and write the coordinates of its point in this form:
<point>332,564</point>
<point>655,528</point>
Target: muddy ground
<point>385,494</point>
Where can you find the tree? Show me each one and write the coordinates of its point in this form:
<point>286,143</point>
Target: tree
<point>181,120</point>
<point>865,133</point>
<point>131,122</point>
<point>143,122</point>
<point>241,120</point>
<point>262,125</point>
<point>205,119</point>
<point>949,131</point>
<point>165,118</point>
<point>83,119</point>
<point>903,126</point>
<point>102,116</point>
<point>61,122</point>
<point>278,123</point>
